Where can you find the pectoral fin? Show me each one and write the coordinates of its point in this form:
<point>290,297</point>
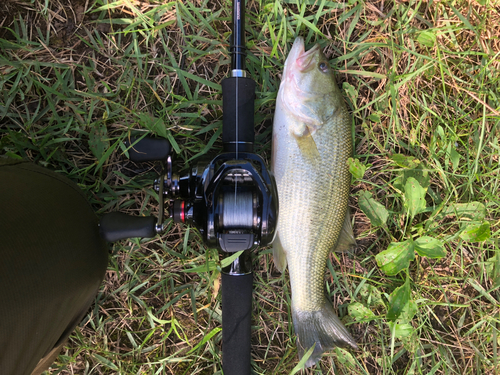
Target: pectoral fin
<point>346,239</point>
<point>307,146</point>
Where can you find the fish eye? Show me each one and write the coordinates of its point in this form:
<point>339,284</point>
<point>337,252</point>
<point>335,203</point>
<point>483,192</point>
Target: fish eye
<point>323,67</point>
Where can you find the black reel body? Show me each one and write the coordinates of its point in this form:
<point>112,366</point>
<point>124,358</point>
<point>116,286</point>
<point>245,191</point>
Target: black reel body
<point>231,201</point>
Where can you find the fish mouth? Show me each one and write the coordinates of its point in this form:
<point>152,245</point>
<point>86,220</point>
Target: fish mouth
<point>299,58</point>
<point>306,58</point>
<point>297,49</point>
<point>299,61</point>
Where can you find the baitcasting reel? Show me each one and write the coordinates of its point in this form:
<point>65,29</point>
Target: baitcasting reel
<point>231,199</point>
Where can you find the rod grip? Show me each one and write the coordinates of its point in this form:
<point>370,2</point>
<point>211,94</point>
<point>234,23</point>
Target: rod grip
<point>238,96</point>
<point>116,226</point>
<point>236,323</point>
<point>148,149</point>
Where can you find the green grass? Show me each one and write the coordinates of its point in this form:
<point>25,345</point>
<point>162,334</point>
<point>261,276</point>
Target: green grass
<point>421,79</point>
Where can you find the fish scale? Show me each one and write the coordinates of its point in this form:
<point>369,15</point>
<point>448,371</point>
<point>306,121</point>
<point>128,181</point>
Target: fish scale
<point>312,141</point>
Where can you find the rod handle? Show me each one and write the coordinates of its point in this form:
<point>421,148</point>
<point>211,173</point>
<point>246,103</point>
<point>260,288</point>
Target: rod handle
<point>236,323</point>
<point>238,97</point>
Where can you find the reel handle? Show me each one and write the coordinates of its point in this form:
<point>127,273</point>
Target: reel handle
<point>116,226</point>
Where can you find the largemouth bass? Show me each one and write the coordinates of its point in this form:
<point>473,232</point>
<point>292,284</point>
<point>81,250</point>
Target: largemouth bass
<point>312,140</point>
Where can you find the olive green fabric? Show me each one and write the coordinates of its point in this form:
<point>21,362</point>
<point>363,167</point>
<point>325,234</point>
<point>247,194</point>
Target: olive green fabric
<point>52,261</point>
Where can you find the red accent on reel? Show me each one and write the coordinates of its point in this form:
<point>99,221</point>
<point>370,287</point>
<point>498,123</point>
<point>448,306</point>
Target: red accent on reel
<point>183,215</point>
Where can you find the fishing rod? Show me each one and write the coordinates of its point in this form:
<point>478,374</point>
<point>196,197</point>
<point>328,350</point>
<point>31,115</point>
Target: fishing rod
<point>232,200</point>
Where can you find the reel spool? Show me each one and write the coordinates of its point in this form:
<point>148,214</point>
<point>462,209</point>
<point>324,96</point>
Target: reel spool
<point>239,211</point>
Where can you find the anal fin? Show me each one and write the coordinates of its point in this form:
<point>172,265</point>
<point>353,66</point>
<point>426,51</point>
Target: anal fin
<point>346,240</point>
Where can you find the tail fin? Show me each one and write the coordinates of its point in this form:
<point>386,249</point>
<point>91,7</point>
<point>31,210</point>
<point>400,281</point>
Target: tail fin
<point>322,328</point>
